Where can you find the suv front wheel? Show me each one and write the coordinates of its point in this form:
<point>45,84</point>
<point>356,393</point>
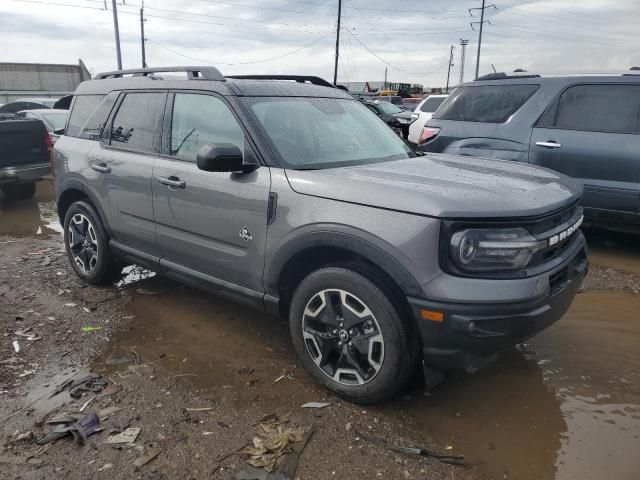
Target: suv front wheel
<point>349,335</point>
<point>87,245</point>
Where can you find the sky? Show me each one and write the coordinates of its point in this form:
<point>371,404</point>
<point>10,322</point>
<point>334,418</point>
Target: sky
<point>411,38</point>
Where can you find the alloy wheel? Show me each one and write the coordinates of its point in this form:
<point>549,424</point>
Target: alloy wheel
<point>343,337</point>
<point>83,242</point>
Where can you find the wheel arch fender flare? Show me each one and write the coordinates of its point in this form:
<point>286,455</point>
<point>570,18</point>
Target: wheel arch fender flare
<point>72,184</point>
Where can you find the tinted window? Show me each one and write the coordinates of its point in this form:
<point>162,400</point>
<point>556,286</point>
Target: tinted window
<point>83,107</point>
<point>201,119</point>
<point>92,129</point>
<point>389,108</point>
<point>136,126</point>
<point>596,108</point>
<point>314,133</point>
<point>432,104</point>
<point>487,103</point>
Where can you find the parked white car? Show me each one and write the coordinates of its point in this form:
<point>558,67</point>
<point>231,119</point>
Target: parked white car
<point>423,112</point>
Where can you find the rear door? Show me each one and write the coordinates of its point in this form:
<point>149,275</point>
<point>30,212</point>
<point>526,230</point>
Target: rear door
<point>211,222</point>
<point>592,133</point>
<point>123,162</point>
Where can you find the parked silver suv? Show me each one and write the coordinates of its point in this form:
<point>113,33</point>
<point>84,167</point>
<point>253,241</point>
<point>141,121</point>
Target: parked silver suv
<point>287,194</point>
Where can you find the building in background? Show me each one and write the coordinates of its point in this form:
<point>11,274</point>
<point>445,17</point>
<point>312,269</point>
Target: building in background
<point>39,80</point>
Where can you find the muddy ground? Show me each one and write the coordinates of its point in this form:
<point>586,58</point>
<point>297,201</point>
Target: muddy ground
<point>564,406</point>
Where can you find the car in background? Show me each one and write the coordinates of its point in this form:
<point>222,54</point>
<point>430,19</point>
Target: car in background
<point>411,102</point>
<point>394,116</point>
<point>54,120</point>
<point>421,115</point>
<point>47,102</point>
<point>395,99</point>
<point>585,126</point>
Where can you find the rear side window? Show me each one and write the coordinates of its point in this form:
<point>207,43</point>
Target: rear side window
<point>487,103</point>
<point>201,119</point>
<point>431,104</point>
<point>82,109</point>
<point>137,124</point>
<point>92,129</point>
<point>596,108</point>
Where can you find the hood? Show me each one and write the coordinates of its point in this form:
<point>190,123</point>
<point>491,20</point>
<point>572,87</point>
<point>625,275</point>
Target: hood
<point>444,186</point>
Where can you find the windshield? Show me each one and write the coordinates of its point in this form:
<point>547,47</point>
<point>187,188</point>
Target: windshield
<point>55,120</point>
<point>389,108</point>
<point>314,133</point>
<point>431,104</point>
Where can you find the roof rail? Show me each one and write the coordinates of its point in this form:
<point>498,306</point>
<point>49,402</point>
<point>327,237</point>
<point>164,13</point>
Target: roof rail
<point>504,76</point>
<point>298,78</point>
<point>193,73</point>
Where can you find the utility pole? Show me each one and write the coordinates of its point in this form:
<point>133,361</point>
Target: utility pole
<point>449,69</point>
<point>117,32</point>
<point>142,39</point>
<point>385,78</point>
<point>481,23</point>
<point>335,70</point>
<point>463,49</point>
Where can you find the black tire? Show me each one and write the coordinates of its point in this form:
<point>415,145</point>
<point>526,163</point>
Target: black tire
<point>398,361</point>
<point>19,191</point>
<point>106,267</point>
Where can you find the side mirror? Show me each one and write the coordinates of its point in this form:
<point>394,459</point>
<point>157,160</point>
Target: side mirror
<point>59,131</point>
<point>222,157</point>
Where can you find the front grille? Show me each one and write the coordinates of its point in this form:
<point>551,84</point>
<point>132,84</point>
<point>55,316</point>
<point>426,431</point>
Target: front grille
<point>551,226</point>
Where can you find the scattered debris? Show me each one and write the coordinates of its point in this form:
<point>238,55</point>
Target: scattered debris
<point>146,458</point>
<point>203,409</point>
<point>26,436</point>
<point>16,346</point>
<point>412,449</point>
<point>315,405</point>
<point>90,328</point>
<point>71,305</point>
<point>110,390</point>
<point>80,428</point>
<point>128,436</point>
<point>106,412</point>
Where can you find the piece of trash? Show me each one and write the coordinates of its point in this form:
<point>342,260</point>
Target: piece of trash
<point>79,428</point>
<point>411,449</point>
<point>278,379</point>
<point>315,405</point>
<point>89,328</point>
<point>207,433</point>
<point>86,310</point>
<point>203,409</point>
<point>71,305</point>
<point>127,436</point>
<point>106,412</point>
<point>106,466</point>
<point>110,390</point>
<point>146,458</point>
<point>16,346</point>
<point>26,373</point>
<point>85,404</point>
<point>273,441</point>
<point>26,436</point>
<point>91,384</point>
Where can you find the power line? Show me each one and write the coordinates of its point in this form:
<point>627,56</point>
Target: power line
<point>238,63</point>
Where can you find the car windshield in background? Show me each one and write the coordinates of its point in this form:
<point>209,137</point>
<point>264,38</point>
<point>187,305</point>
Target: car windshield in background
<point>432,104</point>
<point>315,133</point>
<point>388,108</point>
<point>56,120</point>
<point>485,103</point>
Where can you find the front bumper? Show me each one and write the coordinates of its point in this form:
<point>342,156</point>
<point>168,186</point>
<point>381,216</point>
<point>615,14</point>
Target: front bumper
<point>24,173</point>
<point>471,334</point>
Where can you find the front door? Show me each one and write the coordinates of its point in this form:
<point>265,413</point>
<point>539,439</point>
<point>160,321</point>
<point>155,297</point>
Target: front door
<point>210,222</point>
<point>592,133</point>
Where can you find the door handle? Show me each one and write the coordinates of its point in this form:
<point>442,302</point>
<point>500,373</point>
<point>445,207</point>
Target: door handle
<point>549,144</point>
<point>101,167</point>
<point>172,181</point>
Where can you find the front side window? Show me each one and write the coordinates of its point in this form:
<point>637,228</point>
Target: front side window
<point>201,119</point>
<point>137,124</point>
<point>596,108</point>
<point>82,109</point>
<point>315,133</point>
<point>485,103</point>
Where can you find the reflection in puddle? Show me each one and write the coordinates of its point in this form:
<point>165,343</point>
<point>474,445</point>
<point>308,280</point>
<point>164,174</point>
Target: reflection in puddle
<point>32,217</point>
<point>567,408</point>
<point>614,250</point>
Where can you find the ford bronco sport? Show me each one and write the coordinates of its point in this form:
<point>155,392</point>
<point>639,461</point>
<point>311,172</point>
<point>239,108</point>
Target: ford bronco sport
<point>290,195</point>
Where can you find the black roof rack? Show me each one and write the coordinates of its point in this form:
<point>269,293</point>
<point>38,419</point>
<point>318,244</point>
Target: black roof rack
<point>193,73</point>
<point>504,76</point>
<point>298,78</point>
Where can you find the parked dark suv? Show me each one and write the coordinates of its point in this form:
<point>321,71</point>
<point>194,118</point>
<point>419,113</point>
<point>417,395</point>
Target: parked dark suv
<point>585,126</point>
<point>292,196</point>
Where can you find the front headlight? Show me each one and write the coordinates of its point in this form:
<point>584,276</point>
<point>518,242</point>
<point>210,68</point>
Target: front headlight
<point>478,250</point>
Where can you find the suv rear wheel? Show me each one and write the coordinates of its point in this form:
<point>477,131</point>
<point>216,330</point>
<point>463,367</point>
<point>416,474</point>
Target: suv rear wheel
<point>349,335</point>
<point>87,245</point>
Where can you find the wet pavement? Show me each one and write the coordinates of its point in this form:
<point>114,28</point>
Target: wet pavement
<point>564,406</point>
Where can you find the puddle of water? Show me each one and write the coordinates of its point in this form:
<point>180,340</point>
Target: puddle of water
<point>567,408</point>
<point>39,397</point>
<point>614,250</point>
<point>34,217</point>
<point>203,340</point>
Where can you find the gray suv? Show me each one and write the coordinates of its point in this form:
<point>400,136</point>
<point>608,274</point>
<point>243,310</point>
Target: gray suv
<point>585,126</point>
<point>290,195</point>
